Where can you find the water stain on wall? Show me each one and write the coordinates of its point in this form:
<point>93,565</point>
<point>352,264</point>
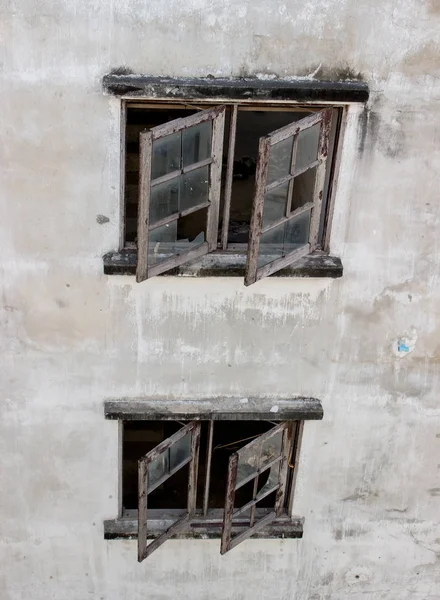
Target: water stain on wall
<point>425,61</point>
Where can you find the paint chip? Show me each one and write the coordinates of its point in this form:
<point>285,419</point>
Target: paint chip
<point>406,343</point>
<point>275,409</point>
<point>243,400</point>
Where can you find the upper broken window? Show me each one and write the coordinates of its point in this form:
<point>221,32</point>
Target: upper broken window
<point>251,179</point>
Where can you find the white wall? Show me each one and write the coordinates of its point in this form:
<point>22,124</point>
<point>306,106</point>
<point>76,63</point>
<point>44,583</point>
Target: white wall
<point>369,484</point>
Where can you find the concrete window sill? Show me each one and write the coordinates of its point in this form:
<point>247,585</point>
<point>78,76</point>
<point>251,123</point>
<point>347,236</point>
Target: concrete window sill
<point>226,264</point>
<point>209,527</point>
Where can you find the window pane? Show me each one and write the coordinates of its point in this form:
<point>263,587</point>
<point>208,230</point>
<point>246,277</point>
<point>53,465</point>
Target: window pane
<point>271,245</point>
<point>176,237</point>
<point>180,451</point>
<point>271,448</point>
<point>303,188</point>
<point>285,238</point>
<point>158,468</point>
<point>194,188</point>
<point>272,479</point>
<point>279,160</point>
<point>164,200</point>
<point>161,243</point>
<point>296,232</point>
<point>307,146</point>
<point>247,462</point>
<point>166,155</point>
<point>197,143</point>
<point>275,204</point>
<point>191,230</point>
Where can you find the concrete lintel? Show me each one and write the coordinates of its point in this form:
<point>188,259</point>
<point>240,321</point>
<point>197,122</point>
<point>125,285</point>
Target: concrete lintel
<point>217,409</point>
<point>252,88</point>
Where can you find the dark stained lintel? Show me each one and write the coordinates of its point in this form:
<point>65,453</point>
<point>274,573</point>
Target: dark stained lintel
<point>294,90</point>
<point>227,264</point>
<point>216,409</point>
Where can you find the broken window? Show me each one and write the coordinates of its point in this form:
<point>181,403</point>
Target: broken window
<point>243,178</point>
<point>235,474</point>
<point>179,191</point>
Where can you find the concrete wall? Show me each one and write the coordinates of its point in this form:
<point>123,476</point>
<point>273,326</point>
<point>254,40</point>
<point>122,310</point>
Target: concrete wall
<point>369,485</point>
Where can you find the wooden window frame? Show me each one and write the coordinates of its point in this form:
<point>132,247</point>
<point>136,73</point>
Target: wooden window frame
<point>314,262</point>
<point>216,522</point>
<point>192,429</point>
<point>216,115</point>
<point>324,118</point>
<point>281,461</point>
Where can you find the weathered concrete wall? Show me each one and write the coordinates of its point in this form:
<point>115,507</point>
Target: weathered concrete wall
<point>369,484</point>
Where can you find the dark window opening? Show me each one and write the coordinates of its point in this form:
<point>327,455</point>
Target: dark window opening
<point>189,470</point>
<point>251,126</point>
<point>140,437</point>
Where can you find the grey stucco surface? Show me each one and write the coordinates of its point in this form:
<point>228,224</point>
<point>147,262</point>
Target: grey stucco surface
<point>369,481</point>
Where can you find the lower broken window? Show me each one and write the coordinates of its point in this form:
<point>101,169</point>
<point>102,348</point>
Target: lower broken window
<point>239,474</point>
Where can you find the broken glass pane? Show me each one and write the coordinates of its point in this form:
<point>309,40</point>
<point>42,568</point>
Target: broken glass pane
<point>247,462</point>
<point>303,188</point>
<point>176,237</point>
<point>161,243</point>
<point>257,455</point>
<point>272,481</point>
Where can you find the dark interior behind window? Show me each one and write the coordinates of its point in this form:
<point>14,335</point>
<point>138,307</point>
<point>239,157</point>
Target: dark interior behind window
<point>140,437</point>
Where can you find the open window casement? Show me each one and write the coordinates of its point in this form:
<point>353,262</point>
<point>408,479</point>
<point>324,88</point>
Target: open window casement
<point>288,197</point>
<point>263,465</point>
<point>155,468</point>
<point>179,175</point>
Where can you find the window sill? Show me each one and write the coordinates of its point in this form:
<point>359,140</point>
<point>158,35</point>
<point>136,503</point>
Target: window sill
<point>226,264</point>
<point>209,527</point>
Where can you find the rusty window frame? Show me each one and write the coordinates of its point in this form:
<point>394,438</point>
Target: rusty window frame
<point>214,162</point>
<point>281,462</point>
<point>324,118</point>
<point>144,464</point>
